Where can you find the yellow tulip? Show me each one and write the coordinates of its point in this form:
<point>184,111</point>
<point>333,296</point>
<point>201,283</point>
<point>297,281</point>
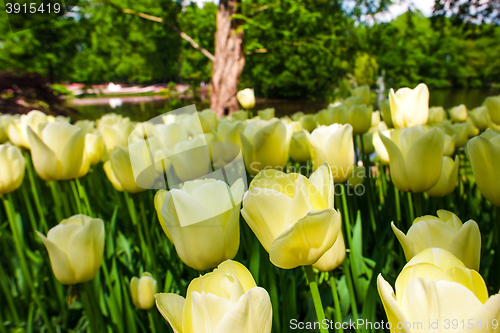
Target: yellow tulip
<point>12,165</point>
<point>375,119</point>
<point>308,122</point>
<point>294,219</point>
<point>225,300</point>
<point>75,248</point>
<point>5,120</point>
<point>480,117</point>
<point>484,153</point>
<point>472,130</point>
<point>94,148</point>
<point>333,144</point>
<point>385,108</point>
<point>458,113</point>
<point>362,93</point>
<point>208,120</point>
<point>335,114</point>
<point>143,291</point>
<point>409,107</point>
<point>360,118</point>
<point>379,146</point>
<point>114,130</point>
<point>119,168</point>
<point>431,292</point>
<point>58,152</point>
<point>265,145</point>
<point>445,231</point>
<point>436,115</point>
<point>239,115</point>
<point>266,114</point>
<point>449,145</point>
<point>299,147</point>
<point>202,220</point>
<point>18,128</point>
<point>416,157</point>
<point>448,179</point>
<point>493,105</point>
<point>246,97</point>
<point>368,143</point>
<point>230,132</point>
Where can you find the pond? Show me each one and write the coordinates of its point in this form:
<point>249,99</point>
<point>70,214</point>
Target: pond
<point>145,108</point>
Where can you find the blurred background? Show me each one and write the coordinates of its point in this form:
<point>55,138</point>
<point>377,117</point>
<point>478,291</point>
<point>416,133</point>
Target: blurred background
<point>141,58</point>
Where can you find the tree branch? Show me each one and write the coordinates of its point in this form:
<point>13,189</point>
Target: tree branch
<point>168,24</point>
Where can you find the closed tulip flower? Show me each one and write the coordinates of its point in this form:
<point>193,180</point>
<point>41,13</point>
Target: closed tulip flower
<point>230,132</point>
<point>308,122</point>
<point>335,114</point>
<point>375,119</point>
<point>436,115</point>
<point>333,144</point>
<point>368,143</point>
<point>480,117</point>
<point>448,179</point>
<point>202,220</point>
<point>410,107</point>
<point>449,145</point>
<point>5,120</point>
<point>493,105</point>
<point>266,114</point>
<point>460,133</point>
<point>143,291</point>
<point>385,109</point>
<point>17,130</point>
<point>225,300</point>
<point>299,147</point>
<point>472,130</point>
<point>75,248</point>
<point>12,165</point>
<point>360,118</point>
<point>431,292</point>
<point>484,154</point>
<point>294,219</point>
<point>58,152</point>
<point>94,148</point>
<point>240,115</point>
<point>458,113</point>
<point>362,93</point>
<point>265,145</point>
<point>380,149</point>
<point>208,120</point>
<point>445,231</point>
<point>416,157</point>
<point>246,97</point>
<point>115,130</point>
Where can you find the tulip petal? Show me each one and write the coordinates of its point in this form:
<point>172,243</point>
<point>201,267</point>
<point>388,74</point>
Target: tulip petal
<point>487,313</point>
<point>60,263</point>
<point>470,279</point>
<point>158,202</point>
<point>394,312</point>
<point>333,257</point>
<point>431,233</point>
<point>263,211</point>
<point>44,159</point>
<point>304,242</point>
<point>207,310</point>
<point>134,286</point>
<point>466,245</point>
<point>171,306</point>
<point>397,164</point>
<point>108,169</point>
<point>406,243</point>
<point>86,250</point>
<point>72,154</point>
<point>62,234</point>
<point>323,180</point>
<point>438,257</point>
<point>252,313</point>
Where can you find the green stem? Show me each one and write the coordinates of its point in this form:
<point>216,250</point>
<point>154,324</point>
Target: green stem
<point>83,195</point>
<point>151,321</point>
<point>352,297</point>
<point>398,206</point>
<point>34,191</point>
<point>411,214</point>
<point>336,302</point>
<point>88,307</point>
<point>76,196</point>
<point>318,306</point>
<point>418,204</point>
<point>57,201</point>
<point>11,216</point>
<point>347,222</point>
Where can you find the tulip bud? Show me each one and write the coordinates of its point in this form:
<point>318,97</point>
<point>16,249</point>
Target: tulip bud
<point>266,114</point>
<point>143,291</point>
<point>75,247</point>
<point>94,148</point>
<point>294,219</point>
<point>360,118</point>
<point>208,120</point>
<point>480,117</point>
<point>308,122</point>
<point>449,145</point>
<point>58,151</point>
<point>409,107</point>
<point>246,98</point>
<point>363,94</point>
<point>458,114</point>
<point>12,165</point>
<point>375,118</point>
<point>18,128</point>
<point>333,144</point>
<point>299,147</point>
<point>484,154</point>
<point>448,233</point>
<point>416,157</point>
<point>436,115</point>
<point>265,145</point>
<point>239,115</point>
<point>493,105</point>
<point>202,219</point>
<point>225,300</point>
<point>448,179</point>
<point>5,120</point>
<point>114,130</point>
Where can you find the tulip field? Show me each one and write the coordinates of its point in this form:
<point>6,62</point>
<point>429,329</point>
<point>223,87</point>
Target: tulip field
<point>362,217</point>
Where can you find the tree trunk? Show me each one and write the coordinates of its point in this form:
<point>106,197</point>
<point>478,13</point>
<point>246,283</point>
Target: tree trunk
<point>229,59</point>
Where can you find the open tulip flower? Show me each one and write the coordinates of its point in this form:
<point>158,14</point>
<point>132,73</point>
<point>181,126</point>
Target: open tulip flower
<point>436,115</point>
<point>202,220</point>
<point>458,113</point>
<point>416,157</point>
<point>115,130</point>
<point>265,145</point>
<point>484,154</point>
<point>434,289</point>
<point>225,300</point>
<point>294,219</point>
<point>333,144</point>
<point>75,247</point>
<point>17,129</point>
<point>58,152</point>
<point>410,107</point>
<point>12,165</point>
<point>445,231</point>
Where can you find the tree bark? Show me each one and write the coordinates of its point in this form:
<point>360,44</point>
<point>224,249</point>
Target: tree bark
<point>229,59</point>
